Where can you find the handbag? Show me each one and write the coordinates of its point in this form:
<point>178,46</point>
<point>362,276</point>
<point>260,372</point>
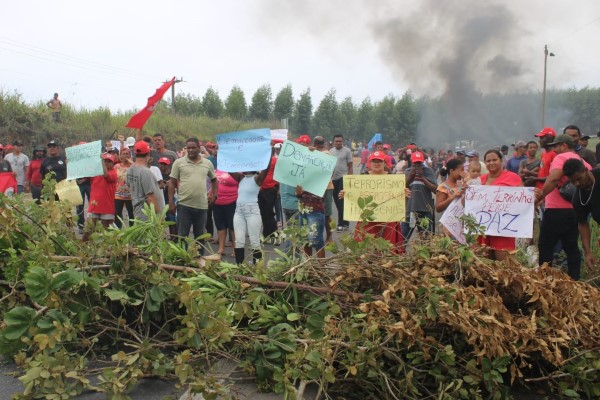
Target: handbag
<point>567,191</point>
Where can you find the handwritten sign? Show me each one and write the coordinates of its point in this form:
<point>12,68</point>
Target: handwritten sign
<point>279,134</point>
<point>69,191</point>
<point>387,191</point>
<point>502,210</point>
<point>84,160</point>
<point>297,165</point>
<point>451,220</point>
<point>244,150</point>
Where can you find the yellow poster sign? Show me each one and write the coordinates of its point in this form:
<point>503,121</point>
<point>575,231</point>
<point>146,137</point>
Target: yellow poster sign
<point>69,191</point>
<point>387,192</point>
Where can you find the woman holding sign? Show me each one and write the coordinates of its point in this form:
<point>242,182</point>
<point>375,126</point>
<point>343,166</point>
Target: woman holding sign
<point>451,189</point>
<point>390,231</point>
<point>498,176</point>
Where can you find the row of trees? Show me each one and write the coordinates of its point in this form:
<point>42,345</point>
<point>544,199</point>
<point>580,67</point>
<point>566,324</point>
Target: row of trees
<point>403,118</point>
<point>395,117</point>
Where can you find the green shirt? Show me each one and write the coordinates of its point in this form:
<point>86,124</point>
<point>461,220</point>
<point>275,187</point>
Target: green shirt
<point>192,181</point>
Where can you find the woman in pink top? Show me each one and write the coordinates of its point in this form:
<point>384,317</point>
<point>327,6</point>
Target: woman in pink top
<point>224,207</point>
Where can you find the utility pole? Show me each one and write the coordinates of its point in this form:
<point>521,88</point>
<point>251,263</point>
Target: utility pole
<point>173,92</point>
<point>546,54</point>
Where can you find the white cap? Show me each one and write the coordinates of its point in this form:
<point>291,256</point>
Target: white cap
<point>130,141</point>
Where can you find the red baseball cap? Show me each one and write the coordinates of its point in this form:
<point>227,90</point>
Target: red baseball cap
<point>417,156</point>
<point>141,147</point>
<point>209,144</point>
<point>111,157</point>
<point>387,146</point>
<point>8,147</point>
<point>164,160</point>
<point>1,147</point>
<point>411,146</point>
<point>304,139</point>
<point>547,131</point>
<point>377,155</point>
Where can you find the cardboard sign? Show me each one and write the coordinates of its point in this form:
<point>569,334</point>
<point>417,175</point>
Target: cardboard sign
<point>387,191</point>
<point>279,134</point>
<point>297,165</point>
<point>69,191</point>
<point>84,160</point>
<point>244,151</point>
<point>451,220</point>
<point>502,210</point>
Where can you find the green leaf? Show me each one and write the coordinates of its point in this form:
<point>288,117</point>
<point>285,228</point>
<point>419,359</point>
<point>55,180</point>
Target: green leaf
<point>115,295</point>
<point>571,393</point>
<point>66,279</point>
<point>18,320</point>
<point>37,283</point>
<point>293,317</point>
<point>314,356</point>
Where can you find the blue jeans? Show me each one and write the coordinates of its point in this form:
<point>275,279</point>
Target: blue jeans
<point>316,224</point>
<point>84,189</point>
<point>189,217</point>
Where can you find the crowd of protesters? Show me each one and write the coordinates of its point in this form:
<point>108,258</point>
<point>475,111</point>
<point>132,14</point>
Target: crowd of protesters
<point>199,197</point>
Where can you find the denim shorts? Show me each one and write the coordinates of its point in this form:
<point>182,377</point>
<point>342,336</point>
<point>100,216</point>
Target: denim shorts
<point>316,224</point>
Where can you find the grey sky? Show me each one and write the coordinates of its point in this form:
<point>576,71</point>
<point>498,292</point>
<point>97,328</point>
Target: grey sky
<point>116,53</point>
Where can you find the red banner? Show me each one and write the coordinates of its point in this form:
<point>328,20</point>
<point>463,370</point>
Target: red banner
<point>139,119</point>
<point>8,183</point>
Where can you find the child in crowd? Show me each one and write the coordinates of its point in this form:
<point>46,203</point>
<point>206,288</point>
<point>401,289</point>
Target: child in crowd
<point>473,173</point>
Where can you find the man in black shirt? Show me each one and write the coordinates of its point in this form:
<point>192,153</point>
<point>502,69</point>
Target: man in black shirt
<point>54,162</point>
<point>585,202</point>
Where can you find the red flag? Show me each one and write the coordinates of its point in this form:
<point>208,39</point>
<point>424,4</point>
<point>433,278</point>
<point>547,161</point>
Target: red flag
<point>8,183</point>
<point>139,119</point>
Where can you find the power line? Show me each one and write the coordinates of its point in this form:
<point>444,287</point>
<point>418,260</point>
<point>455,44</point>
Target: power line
<point>575,31</point>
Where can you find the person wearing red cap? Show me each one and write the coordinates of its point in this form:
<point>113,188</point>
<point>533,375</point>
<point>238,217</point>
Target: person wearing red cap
<point>421,181</point>
<point>390,231</point>
<point>142,183</point>
<point>102,196</point>
<point>545,136</point>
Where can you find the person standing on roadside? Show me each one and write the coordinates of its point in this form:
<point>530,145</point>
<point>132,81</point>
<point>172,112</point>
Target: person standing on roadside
<point>342,167</point>
<point>559,222</point>
<point>55,106</point>
<point>142,183</point>
<point>160,150</point>
<point>530,167</point>
<point>102,195</point>
<point>586,202</point>
<point>33,178</point>
<point>54,163</point>
<point>588,155</point>
<point>122,192</point>
<point>188,175</point>
<point>19,163</point>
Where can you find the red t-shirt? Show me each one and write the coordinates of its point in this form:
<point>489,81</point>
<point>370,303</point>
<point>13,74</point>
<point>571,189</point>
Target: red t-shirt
<point>102,195</point>
<point>33,172</point>
<point>544,171</point>
<point>269,183</point>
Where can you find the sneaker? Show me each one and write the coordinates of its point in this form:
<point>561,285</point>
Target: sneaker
<point>340,228</point>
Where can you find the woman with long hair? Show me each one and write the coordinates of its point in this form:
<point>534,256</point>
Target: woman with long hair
<point>452,186</point>
<point>390,231</point>
<point>498,176</point>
